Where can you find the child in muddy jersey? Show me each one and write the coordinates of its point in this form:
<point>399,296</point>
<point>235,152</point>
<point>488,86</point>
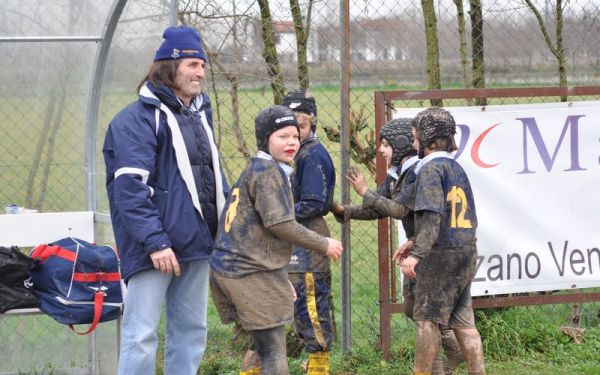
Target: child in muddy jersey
<point>444,253</point>
<point>393,199</point>
<point>249,276</point>
<point>397,150</point>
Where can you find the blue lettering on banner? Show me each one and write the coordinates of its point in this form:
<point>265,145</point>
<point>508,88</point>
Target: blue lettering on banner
<point>530,130</point>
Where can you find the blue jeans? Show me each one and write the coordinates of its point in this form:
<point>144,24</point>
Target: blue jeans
<point>186,299</point>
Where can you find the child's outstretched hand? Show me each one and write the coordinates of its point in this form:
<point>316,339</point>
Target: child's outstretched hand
<point>337,208</point>
<point>334,249</point>
<point>402,252</point>
<point>338,211</point>
<point>357,180</point>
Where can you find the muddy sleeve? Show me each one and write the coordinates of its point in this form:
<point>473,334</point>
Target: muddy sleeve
<point>385,206</point>
<point>360,213</point>
<point>427,228</point>
<point>299,235</point>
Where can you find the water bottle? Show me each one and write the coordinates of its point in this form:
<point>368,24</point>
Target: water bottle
<point>12,209</point>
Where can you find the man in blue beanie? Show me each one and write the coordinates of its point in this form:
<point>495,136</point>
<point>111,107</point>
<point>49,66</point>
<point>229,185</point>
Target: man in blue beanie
<point>166,191</point>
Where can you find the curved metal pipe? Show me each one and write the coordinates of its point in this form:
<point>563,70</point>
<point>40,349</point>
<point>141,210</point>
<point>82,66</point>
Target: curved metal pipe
<point>91,118</point>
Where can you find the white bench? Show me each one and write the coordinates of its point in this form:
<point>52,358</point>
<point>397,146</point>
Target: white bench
<point>29,230</point>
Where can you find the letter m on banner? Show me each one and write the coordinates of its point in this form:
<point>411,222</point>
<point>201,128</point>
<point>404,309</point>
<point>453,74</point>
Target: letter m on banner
<point>530,125</point>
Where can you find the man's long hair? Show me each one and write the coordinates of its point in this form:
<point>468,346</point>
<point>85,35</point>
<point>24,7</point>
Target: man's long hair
<point>161,72</point>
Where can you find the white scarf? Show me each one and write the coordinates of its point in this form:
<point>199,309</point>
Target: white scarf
<point>183,160</point>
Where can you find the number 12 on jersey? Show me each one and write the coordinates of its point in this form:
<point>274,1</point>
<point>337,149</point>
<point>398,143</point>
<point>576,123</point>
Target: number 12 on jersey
<point>456,196</point>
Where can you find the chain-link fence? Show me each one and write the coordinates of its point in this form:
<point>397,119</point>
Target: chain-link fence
<point>566,310</point>
<point>393,45</point>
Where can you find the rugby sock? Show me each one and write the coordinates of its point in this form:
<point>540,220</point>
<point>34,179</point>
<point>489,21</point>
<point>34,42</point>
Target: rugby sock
<point>318,363</point>
<point>251,371</point>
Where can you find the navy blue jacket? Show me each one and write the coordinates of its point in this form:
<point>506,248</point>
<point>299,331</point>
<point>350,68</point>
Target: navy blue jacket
<point>313,184</point>
<point>152,186</point>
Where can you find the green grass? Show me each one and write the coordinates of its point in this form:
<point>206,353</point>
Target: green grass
<point>524,340</point>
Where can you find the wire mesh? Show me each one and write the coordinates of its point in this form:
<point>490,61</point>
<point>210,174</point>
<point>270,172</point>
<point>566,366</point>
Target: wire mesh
<point>45,85</point>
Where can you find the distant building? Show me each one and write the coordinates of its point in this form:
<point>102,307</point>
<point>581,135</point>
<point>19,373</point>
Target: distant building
<point>372,40</point>
<point>285,42</point>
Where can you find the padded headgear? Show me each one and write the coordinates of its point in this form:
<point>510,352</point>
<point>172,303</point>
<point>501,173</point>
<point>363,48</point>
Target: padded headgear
<point>269,120</point>
<point>302,101</point>
<point>434,123</point>
<point>398,133</point>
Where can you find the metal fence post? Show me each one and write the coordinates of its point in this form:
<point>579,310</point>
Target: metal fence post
<point>345,163</point>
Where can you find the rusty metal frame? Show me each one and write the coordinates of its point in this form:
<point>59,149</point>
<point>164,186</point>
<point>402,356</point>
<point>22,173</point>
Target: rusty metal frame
<point>388,303</point>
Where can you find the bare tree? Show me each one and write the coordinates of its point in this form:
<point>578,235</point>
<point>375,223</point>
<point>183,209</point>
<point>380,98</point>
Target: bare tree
<point>478,62</point>
<point>51,141</point>
<point>233,79</point>
<point>192,15</point>
<point>433,49</point>
<point>363,149</point>
<point>39,149</point>
<point>270,52</point>
<point>557,50</point>
<point>302,34</point>
<point>53,120</point>
<point>460,17</point>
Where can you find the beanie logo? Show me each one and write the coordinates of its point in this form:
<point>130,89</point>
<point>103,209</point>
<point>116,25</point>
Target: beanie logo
<point>175,54</point>
<point>282,119</point>
<point>295,105</point>
<point>190,51</point>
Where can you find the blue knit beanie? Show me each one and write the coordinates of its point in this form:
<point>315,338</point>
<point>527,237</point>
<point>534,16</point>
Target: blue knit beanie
<point>180,42</point>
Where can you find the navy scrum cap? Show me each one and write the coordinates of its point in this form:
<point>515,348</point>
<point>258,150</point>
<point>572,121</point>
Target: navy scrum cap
<point>180,42</point>
<point>269,120</point>
<point>300,101</point>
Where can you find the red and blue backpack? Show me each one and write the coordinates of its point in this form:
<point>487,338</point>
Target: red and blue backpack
<point>77,282</point>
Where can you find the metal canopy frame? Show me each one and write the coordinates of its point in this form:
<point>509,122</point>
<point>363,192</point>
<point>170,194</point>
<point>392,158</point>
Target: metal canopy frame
<point>388,300</point>
<point>91,118</point>
<point>91,122</point>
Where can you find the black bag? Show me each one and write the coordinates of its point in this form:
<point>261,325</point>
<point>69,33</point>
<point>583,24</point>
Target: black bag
<point>14,272</point>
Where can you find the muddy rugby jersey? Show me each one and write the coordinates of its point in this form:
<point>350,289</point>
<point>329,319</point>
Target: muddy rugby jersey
<point>262,197</point>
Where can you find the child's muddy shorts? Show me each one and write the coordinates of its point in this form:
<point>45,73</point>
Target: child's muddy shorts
<point>443,288</point>
<point>260,300</point>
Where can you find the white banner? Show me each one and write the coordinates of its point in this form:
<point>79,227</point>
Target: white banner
<point>535,173</point>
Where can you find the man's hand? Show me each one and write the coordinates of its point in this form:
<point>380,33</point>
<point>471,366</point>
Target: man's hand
<point>334,249</point>
<point>402,252</point>
<point>408,266</point>
<point>165,261</point>
<point>357,180</point>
